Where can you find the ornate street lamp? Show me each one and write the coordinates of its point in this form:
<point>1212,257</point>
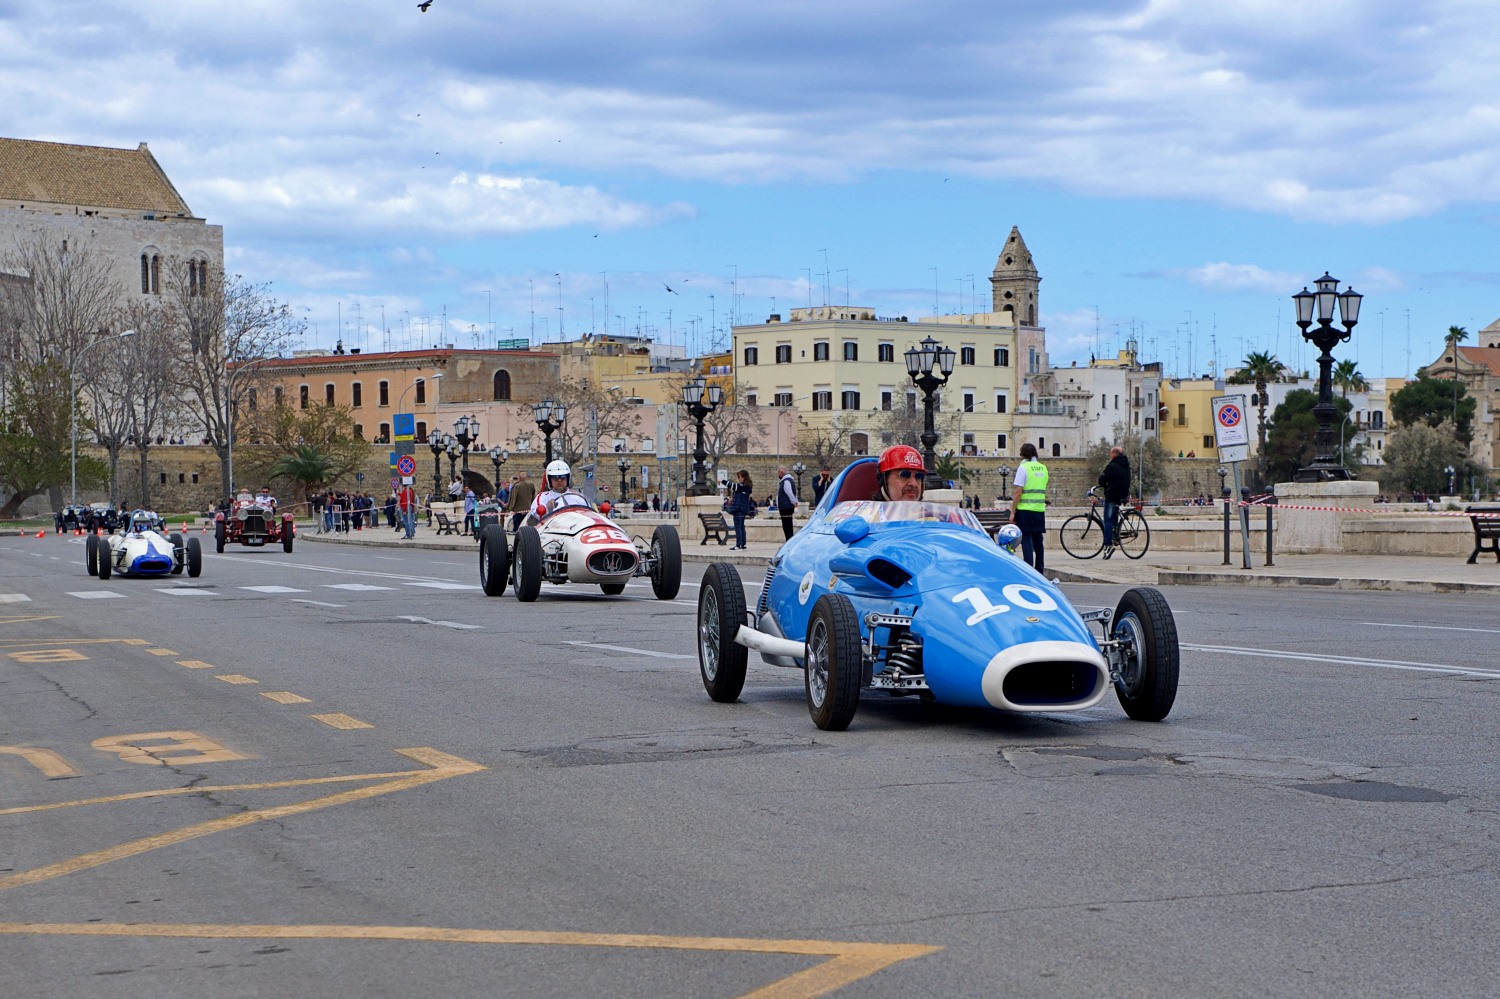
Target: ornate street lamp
<point>693,394</point>
<point>498,456</point>
<point>438,441</point>
<point>797,469</point>
<point>929,366</point>
<point>623,464</point>
<point>453,452</point>
<point>549,416</point>
<point>1321,304</point>
<point>465,432</point>
<point>1005,487</point>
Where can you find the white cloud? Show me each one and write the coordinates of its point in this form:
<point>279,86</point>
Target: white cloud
<point>1227,277</point>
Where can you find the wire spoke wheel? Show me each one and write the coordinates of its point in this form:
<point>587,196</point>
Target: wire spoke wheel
<point>1082,535</point>
<point>1133,535</point>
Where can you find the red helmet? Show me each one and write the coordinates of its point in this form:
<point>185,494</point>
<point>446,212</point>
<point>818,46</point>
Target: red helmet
<point>900,456</point>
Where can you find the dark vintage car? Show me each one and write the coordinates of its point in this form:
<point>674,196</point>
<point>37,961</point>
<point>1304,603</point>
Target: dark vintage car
<point>253,524</point>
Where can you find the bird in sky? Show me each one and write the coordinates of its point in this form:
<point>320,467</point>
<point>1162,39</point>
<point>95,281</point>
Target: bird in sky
<point>669,288</point>
<point>424,5</point>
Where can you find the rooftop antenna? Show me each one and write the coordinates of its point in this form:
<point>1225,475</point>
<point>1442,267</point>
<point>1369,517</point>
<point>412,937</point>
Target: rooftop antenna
<point>825,276</point>
<point>559,307</point>
<point>385,331</point>
<point>531,286</point>
<point>734,296</point>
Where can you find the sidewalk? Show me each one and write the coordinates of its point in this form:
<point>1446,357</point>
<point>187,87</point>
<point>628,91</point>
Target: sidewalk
<point>1409,573</point>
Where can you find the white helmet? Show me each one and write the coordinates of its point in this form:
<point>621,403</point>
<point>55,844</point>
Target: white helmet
<point>1008,537</point>
<point>558,470</point>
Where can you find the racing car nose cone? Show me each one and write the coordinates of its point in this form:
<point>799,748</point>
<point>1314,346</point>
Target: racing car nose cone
<point>1046,676</point>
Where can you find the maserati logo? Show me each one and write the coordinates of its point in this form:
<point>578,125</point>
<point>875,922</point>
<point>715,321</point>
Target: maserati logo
<point>612,563</point>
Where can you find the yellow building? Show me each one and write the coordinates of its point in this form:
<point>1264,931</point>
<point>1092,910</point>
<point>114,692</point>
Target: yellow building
<point>1187,423</point>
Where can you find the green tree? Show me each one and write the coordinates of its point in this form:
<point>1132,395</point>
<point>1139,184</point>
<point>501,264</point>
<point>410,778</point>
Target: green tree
<point>1347,377</point>
<point>1431,401</point>
<point>1148,459</point>
<point>950,470</point>
<point>1261,369</point>
<point>307,466</point>
<point>1291,442</point>
<point>299,442</point>
<point>1416,455</point>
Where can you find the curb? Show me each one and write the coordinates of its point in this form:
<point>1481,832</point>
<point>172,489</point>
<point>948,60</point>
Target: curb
<point>1180,577</point>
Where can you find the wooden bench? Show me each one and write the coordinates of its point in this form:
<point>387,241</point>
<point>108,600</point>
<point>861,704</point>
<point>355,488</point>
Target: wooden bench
<point>445,526</point>
<point>992,520</point>
<point>714,527</point>
<point>1486,521</point>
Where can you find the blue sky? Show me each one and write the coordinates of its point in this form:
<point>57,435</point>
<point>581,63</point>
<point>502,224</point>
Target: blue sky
<point>1179,169</point>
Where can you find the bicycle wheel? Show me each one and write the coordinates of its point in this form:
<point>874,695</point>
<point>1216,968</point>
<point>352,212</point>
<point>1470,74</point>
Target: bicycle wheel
<point>1134,536</point>
<point>1082,535</point>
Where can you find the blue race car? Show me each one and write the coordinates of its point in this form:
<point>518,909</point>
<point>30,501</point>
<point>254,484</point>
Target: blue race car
<point>914,599</point>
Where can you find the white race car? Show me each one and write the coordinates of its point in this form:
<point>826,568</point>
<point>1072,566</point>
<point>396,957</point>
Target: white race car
<point>140,549</point>
<point>577,544</point>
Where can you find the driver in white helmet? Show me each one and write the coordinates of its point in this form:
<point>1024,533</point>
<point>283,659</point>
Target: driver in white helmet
<point>559,492</point>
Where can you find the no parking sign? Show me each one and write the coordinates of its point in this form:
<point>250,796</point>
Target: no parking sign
<point>1231,427</point>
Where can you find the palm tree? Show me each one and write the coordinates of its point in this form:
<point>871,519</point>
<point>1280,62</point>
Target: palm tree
<point>1456,335</point>
<point>306,465</point>
<point>1347,377</point>
<point>1262,369</point>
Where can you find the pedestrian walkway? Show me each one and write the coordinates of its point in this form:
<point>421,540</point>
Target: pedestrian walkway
<point>1410,573</point>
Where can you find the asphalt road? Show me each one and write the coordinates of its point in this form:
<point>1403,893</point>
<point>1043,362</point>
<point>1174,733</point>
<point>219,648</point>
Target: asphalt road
<point>346,772</point>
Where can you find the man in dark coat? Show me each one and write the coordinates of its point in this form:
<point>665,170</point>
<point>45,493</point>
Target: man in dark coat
<point>1115,479</point>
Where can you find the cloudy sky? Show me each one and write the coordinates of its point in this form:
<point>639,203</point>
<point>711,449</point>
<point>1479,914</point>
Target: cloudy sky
<point>490,169</point>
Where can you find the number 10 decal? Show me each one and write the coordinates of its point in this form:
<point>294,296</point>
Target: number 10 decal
<point>1023,596</point>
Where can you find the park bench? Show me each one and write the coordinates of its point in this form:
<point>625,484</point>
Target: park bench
<point>992,520</point>
<point>445,524</point>
<point>714,527</point>
<point>1486,521</point>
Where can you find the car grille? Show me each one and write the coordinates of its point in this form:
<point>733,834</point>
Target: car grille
<point>613,563</point>
<point>254,524</point>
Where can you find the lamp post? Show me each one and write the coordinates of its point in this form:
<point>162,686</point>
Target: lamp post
<point>929,366</point>
<point>438,442</point>
<point>1321,304</point>
<point>465,432</point>
<point>1004,483</point>
<point>797,469</point>
<point>693,398</point>
<point>401,399</point>
<point>498,456</point>
<point>549,416</point>
<point>623,464</point>
<point>453,452</point>
<point>73,407</point>
<point>1448,471</point>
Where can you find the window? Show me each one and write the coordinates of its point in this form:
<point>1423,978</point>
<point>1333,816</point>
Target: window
<point>421,391</point>
<point>782,399</point>
<point>195,478</point>
<point>1002,402</point>
<point>328,394</point>
<point>145,274</point>
<point>751,399</point>
<point>502,386</point>
<point>252,398</point>
<point>302,397</point>
<point>1041,443</point>
<point>783,353</point>
<point>359,431</point>
<point>155,274</point>
<point>421,433</point>
<point>966,355</point>
<point>887,399</point>
<point>1000,443</point>
<point>1057,450</point>
<point>163,478</point>
<point>1181,415</point>
<point>1002,357</point>
<point>850,399</point>
<point>385,433</point>
<point>887,353</point>
<point>968,402</point>
<point>851,350</point>
<point>356,395</point>
<point>859,443</point>
<point>1117,400</point>
<point>1208,440</point>
<point>385,394</point>
<point>280,396</point>
<point>822,400</point>
<point>181,478</point>
<point>820,350</point>
<point>911,401</point>
<point>1377,419</point>
<point>752,355</point>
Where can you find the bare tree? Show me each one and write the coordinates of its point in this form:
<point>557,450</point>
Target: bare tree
<point>587,403</point>
<point>731,422</point>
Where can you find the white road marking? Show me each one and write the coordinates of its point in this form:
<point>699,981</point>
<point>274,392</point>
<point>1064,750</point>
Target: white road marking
<point>185,591</point>
<point>14,598</point>
<point>1429,627</point>
<point>360,587</point>
<point>445,624</point>
<point>315,603</point>
<point>282,564</point>
<point>438,585</point>
<point>1346,660</point>
<point>637,652</point>
<point>273,589</point>
<point>96,595</point>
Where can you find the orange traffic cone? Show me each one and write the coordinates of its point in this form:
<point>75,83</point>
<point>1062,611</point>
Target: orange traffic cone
<point>41,534</point>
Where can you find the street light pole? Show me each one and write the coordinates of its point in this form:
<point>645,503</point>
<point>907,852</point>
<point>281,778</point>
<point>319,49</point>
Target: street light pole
<point>73,408</point>
<point>693,398</point>
<point>929,366</point>
<point>1324,468</point>
<point>549,416</point>
<point>797,469</point>
<point>623,464</point>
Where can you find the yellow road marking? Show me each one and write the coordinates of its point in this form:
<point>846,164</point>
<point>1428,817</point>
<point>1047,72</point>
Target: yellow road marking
<point>340,720</point>
<point>45,760</point>
<point>849,962</point>
<point>139,748</point>
<point>18,643</point>
<point>161,652</point>
<point>285,697</point>
<point>195,664</point>
<point>47,656</point>
<point>23,618</point>
<point>235,678</point>
<point>239,819</point>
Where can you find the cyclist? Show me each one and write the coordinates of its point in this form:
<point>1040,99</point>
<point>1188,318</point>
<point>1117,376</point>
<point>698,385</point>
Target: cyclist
<point>1116,482</point>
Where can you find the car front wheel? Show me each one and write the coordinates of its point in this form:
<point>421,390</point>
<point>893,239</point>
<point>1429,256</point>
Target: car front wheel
<point>527,561</point>
<point>1147,633</point>
<point>832,672</point>
<point>194,558</point>
<point>494,561</point>
<point>721,611</point>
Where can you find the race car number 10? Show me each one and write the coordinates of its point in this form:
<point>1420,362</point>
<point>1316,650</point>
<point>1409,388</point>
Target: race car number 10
<point>1020,594</point>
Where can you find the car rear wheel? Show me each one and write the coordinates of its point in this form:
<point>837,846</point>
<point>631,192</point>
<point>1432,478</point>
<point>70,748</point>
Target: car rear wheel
<point>1147,632</point>
<point>494,561</point>
<point>177,553</point>
<point>219,532</point>
<point>91,554</point>
<point>286,538</point>
<point>527,561</point>
<point>666,551</point>
<point>721,611</point>
<point>194,557</point>
<point>106,559</point>
<point>832,675</point>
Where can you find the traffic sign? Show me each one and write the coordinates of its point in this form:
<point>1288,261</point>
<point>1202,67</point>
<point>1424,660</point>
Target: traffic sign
<point>406,465</point>
<point>1231,429</point>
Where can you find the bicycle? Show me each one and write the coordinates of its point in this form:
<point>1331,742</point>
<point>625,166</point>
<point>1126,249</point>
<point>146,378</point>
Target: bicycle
<point>1082,535</point>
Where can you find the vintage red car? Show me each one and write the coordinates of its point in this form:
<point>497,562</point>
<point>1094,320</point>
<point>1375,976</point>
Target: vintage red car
<point>253,521</point>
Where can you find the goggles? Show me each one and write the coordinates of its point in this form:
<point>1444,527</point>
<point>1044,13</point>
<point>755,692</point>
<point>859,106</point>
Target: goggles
<point>907,473</point>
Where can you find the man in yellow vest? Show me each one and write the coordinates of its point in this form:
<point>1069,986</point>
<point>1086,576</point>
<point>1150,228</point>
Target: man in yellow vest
<point>1028,507</point>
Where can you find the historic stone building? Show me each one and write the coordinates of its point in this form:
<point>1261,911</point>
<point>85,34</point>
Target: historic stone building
<point>1478,368</point>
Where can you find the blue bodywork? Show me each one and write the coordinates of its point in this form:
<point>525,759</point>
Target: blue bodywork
<point>993,632</point>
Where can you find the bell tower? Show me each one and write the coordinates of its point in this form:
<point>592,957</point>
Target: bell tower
<point>1015,281</point>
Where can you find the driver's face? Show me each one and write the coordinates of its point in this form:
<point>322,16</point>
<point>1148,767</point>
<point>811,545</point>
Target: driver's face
<point>908,488</point>
<point>559,483</point>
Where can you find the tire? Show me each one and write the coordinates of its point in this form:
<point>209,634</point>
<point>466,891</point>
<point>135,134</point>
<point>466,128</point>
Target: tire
<point>91,554</point>
<point>106,560</point>
<point>721,611</point>
<point>834,669</point>
<point>1081,536</point>
<point>177,553</point>
<point>1149,670</point>
<point>219,532</point>
<point>526,560</point>
<point>494,562</point>
<point>666,549</point>
<point>1134,534</point>
<point>612,589</point>
<point>287,536</point>
<point>194,558</point>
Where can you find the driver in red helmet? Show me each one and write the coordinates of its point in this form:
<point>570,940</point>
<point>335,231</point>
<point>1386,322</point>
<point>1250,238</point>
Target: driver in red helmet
<point>901,474</point>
